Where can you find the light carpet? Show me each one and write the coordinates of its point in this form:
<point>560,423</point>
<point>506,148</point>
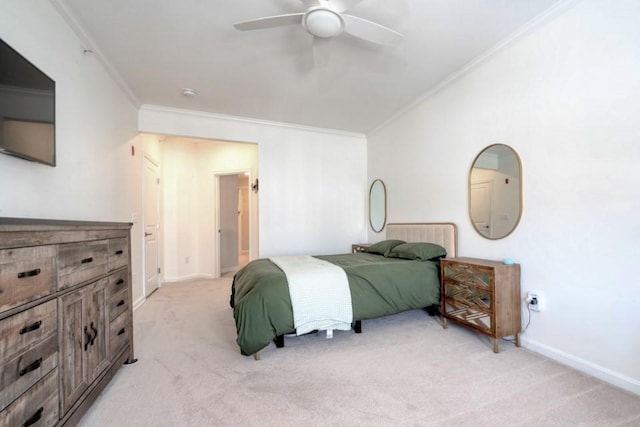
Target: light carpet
<point>403,370</point>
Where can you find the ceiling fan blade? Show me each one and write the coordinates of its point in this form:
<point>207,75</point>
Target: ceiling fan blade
<point>313,3</point>
<point>321,51</point>
<point>270,22</point>
<point>341,5</point>
<point>370,31</point>
<point>335,5</point>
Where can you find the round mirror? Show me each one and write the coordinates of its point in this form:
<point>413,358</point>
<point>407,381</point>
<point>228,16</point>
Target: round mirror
<point>377,205</point>
<point>495,191</point>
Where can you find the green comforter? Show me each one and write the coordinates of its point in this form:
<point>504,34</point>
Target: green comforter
<point>379,286</point>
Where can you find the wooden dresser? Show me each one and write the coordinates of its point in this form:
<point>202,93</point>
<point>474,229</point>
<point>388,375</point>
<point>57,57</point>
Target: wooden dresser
<point>482,294</point>
<point>66,320</point>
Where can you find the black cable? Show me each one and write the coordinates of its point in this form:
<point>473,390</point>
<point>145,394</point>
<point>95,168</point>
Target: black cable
<point>528,319</point>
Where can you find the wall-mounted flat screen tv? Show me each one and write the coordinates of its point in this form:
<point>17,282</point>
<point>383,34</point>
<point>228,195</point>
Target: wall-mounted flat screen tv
<point>27,109</point>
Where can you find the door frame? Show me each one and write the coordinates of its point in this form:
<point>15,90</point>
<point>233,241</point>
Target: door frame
<point>216,223</point>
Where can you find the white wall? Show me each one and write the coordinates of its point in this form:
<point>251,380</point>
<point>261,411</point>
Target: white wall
<point>189,196</point>
<point>180,218</point>
<point>313,184</point>
<point>96,123</point>
<point>566,97</point>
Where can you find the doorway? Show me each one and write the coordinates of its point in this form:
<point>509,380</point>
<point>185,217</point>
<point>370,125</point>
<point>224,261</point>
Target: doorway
<point>233,221</point>
<point>151,192</point>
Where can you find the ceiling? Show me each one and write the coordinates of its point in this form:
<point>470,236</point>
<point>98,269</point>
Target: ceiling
<point>159,47</point>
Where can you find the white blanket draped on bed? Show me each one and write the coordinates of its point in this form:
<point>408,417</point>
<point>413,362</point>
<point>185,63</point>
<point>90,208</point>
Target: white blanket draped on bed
<point>320,295</point>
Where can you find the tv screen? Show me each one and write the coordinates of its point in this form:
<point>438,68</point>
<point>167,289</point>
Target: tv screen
<point>27,109</point>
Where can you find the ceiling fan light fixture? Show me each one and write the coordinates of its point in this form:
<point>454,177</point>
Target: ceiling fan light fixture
<point>323,23</point>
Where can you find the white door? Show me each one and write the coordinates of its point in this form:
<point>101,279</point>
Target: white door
<point>228,220</point>
<point>151,226</point>
<point>481,194</point>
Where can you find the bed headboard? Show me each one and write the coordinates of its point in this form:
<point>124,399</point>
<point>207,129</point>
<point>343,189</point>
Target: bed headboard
<point>441,233</point>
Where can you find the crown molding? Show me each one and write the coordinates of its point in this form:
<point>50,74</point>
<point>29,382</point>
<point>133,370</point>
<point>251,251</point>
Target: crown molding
<point>247,120</point>
<point>505,43</point>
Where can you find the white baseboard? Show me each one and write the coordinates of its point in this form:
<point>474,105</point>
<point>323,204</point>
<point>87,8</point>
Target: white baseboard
<point>188,277</point>
<point>590,368</point>
<point>137,303</point>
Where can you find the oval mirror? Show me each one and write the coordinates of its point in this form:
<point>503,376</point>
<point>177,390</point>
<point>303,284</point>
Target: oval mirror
<point>495,191</point>
<point>377,205</point>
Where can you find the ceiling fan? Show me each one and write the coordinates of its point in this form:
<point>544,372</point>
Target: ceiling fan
<point>325,19</point>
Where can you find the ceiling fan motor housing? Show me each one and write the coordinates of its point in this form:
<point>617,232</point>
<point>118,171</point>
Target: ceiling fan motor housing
<point>322,22</point>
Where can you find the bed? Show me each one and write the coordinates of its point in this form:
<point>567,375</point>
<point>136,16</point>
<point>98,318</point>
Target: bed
<point>383,280</point>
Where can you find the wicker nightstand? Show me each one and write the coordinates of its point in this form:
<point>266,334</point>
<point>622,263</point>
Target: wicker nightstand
<point>359,247</point>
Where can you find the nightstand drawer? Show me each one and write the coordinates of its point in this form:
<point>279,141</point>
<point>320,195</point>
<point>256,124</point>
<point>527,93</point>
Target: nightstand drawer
<point>470,275</point>
<point>469,305</point>
<point>26,274</point>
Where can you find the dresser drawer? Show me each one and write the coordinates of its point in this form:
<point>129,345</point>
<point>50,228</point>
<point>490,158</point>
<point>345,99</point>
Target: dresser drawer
<point>38,406</point>
<point>471,296</point>
<point>80,262</point>
<point>118,253</point>
<point>27,328</point>
<point>26,274</point>
<point>471,275</point>
<point>119,334</point>
<point>118,304</point>
<point>469,305</point>
<point>27,368</point>
<point>117,282</point>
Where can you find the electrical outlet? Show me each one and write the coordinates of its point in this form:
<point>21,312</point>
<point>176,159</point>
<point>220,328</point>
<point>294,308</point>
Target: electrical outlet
<point>534,301</point>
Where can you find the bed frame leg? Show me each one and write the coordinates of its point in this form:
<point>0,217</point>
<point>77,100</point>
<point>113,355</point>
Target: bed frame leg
<point>433,310</point>
<point>279,340</point>
<point>256,355</point>
<point>357,326</point>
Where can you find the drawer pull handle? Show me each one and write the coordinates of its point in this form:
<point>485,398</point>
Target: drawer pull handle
<point>120,303</point>
<point>95,333</point>
<point>31,327</point>
<point>121,331</point>
<point>34,418</point>
<point>87,260</point>
<point>87,336</point>
<point>35,365</point>
<point>120,282</point>
<point>119,252</point>
<point>30,273</point>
